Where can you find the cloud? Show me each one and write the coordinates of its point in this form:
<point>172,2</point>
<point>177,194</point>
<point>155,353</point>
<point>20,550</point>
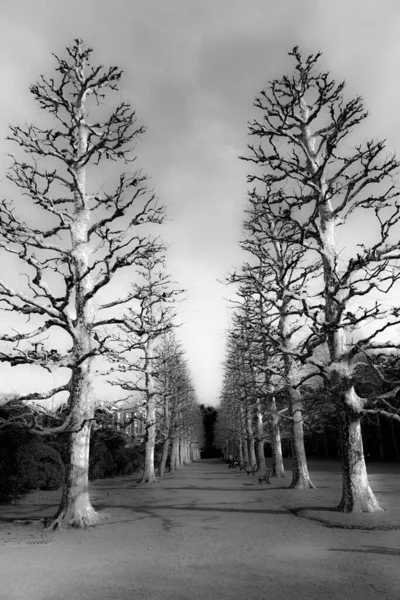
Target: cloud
<point>192,70</point>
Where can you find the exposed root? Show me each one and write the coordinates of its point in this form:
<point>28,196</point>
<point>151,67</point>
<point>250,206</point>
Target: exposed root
<point>369,505</point>
<point>302,485</point>
<point>78,520</point>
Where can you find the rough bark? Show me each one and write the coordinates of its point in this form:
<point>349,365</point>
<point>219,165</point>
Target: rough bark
<point>357,496</point>
<point>167,439</point>
<point>245,451</point>
<point>175,464</point>
<point>250,434</point>
<point>300,476</point>
<point>149,475</point>
<point>75,508</point>
<point>164,457</point>
<point>278,469</point>
<point>241,459</point>
<point>260,439</point>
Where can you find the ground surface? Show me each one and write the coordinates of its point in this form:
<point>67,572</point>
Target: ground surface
<point>208,532</point>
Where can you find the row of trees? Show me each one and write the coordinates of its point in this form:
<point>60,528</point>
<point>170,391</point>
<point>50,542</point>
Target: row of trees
<point>313,336</point>
<point>93,296</point>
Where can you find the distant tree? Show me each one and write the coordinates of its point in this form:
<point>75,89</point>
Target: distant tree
<point>210,415</point>
<point>273,283</point>
<point>69,243</point>
<point>136,353</point>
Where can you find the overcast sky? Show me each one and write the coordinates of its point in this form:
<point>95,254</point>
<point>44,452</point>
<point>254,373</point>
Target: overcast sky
<point>192,69</point>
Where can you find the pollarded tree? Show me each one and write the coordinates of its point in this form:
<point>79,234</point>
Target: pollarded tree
<point>182,403</point>
<point>169,369</point>
<point>136,352</point>
<point>69,241</point>
<point>276,279</point>
<point>303,151</point>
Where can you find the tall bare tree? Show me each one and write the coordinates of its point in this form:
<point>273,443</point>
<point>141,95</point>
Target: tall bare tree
<point>280,274</point>
<point>70,237</point>
<point>303,152</point>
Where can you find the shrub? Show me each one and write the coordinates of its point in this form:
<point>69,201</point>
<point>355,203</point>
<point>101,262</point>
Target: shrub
<point>101,462</point>
<point>27,464</point>
<point>110,456</point>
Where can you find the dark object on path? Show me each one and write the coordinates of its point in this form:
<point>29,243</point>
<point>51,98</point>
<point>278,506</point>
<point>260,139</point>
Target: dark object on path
<point>236,463</point>
<point>242,466</point>
<point>251,469</point>
<point>265,477</point>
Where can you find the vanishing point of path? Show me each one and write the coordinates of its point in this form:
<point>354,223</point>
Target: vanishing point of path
<point>205,532</point>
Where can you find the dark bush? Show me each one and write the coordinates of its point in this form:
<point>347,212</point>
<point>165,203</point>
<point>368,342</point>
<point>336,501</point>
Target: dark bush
<point>101,462</point>
<point>40,465</point>
<point>27,464</point>
<point>110,456</point>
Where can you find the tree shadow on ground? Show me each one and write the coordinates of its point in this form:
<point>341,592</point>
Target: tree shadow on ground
<point>26,513</point>
<point>369,550</point>
<point>187,507</point>
<point>255,488</point>
<point>296,510</point>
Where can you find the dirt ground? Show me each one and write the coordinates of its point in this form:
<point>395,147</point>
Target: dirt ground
<point>211,533</point>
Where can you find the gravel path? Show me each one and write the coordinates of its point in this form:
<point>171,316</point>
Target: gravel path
<point>205,532</point>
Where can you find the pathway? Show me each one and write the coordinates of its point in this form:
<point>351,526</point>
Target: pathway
<point>206,532</point>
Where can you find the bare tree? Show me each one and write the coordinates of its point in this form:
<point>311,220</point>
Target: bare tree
<point>303,151</point>
<point>279,274</point>
<point>136,353</point>
<point>69,245</point>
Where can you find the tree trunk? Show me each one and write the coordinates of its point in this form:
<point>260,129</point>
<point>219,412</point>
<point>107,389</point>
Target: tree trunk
<point>245,451</point>
<point>300,478</point>
<point>260,439</point>
<point>175,464</point>
<point>163,462</point>
<point>75,508</point>
<point>278,469</point>
<point>196,452</point>
<point>250,433</point>
<point>240,451</point>
<point>149,475</point>
<point>182,452</point>
<point>185,457</point>
<point>357,495</point>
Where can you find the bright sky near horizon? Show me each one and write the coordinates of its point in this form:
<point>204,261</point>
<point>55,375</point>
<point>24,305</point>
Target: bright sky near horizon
<point>192,69</point>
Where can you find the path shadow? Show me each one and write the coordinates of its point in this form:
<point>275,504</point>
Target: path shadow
<point>369,550</point>
<point>296,510</point>
<point>184,507</point>
<point>254,486</point>
<point>26,513</point>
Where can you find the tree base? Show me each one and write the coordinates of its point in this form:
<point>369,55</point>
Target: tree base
<point>302,484</point>
<point>77,520</point>
<point>278,474</point>
<point>148,479</point>
<point>369,504</point>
